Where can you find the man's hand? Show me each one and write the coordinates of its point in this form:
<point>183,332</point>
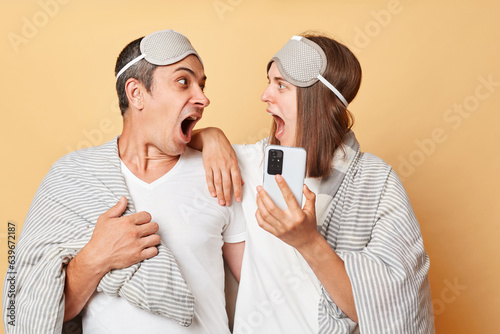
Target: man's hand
<point>117,242</point>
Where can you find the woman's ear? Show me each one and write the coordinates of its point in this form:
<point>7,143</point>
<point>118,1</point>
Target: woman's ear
<point>135,93</point>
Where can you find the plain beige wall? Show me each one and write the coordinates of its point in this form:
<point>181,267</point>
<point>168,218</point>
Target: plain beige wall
<point>428,105</point>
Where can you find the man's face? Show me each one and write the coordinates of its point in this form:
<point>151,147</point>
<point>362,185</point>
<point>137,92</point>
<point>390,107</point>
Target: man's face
<point>174,105</point>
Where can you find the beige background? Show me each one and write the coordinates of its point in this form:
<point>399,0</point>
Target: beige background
<point>423,106</point>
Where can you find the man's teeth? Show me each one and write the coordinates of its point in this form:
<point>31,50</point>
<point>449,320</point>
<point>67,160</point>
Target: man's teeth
<point>192,118</point>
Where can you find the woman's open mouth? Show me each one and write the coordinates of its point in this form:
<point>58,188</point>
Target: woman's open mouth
<point>280,124</point>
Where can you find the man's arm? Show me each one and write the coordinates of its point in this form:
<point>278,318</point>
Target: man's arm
<point>233,254</point>
<point>117,242</point>
<point>220,162</point>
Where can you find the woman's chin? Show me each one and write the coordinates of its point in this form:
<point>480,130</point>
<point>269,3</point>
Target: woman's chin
<point>284,141</point>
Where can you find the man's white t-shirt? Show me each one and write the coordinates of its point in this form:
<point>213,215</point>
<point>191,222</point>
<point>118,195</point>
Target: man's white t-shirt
<point>278,291</point>
<point>194,227</point>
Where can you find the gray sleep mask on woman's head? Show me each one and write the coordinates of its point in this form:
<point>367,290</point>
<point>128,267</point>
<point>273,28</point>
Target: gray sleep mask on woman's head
<point>302,63</point>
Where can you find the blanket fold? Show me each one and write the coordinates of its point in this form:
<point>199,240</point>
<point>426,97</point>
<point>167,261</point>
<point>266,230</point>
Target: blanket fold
<point>77,190</point>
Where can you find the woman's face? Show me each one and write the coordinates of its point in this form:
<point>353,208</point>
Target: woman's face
<point>281,99</point>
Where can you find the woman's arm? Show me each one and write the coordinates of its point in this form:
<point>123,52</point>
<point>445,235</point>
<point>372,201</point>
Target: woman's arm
<point>220,162</point>
<point>297,227</point>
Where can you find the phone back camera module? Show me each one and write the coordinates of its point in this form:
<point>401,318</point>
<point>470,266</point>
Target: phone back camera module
<point>275,162</point>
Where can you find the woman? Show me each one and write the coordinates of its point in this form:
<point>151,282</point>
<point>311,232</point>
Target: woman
<point>352,259</point>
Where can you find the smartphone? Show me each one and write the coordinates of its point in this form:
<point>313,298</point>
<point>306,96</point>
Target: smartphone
<point>289,162</point>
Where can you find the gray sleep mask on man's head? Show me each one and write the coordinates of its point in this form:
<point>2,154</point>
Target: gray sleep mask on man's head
<point>302,63</point>
<point>163,47</point>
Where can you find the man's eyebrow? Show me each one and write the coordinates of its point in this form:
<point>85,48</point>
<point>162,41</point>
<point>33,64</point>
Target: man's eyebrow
<point>190,72</point>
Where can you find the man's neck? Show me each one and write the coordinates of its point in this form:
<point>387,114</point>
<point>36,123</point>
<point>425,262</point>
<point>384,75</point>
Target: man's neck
<point>143,159</point>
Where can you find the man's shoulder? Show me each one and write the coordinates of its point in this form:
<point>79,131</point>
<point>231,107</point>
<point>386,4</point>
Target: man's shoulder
<point>85,158</point>
<point>105,150</point>
<point>191,166</point>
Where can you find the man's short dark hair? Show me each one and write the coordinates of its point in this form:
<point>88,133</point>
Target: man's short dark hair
<point>142,71</point>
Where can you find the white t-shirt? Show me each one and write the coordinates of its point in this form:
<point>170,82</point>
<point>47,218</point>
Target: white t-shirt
<point>278,291</point>
<point>194,227</point>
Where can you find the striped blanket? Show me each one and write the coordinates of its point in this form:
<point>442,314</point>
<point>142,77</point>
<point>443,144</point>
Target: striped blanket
<point>366,217</point>
<point>77,190</point>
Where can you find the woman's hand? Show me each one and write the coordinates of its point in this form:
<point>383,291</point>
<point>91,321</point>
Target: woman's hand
<point>220,162</point>
<point>295,226</point>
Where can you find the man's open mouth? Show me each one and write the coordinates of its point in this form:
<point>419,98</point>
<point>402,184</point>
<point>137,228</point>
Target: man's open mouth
<point>188,124</point>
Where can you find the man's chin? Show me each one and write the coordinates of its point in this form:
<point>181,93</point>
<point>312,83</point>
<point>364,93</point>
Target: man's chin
<point>180,148</point>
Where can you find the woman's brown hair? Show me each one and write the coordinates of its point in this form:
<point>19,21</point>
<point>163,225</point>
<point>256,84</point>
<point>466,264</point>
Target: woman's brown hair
<point>322,119</point>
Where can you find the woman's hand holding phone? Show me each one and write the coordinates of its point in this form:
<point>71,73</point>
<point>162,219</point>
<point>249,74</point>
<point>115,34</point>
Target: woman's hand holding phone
<point>295,226</point>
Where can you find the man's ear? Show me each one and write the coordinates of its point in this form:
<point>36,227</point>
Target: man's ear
<point>135,91</point>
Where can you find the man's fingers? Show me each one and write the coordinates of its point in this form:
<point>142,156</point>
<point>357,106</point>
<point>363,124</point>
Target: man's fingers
<point>148,253</point>
<point>118,209</point>
<point>150,241</point>
<point>140,218</point>
<point>148,229</point>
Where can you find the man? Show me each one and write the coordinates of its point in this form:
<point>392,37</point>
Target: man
<point>130,282</point>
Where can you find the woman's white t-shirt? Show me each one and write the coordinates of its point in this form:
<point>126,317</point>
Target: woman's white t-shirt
<point>278,292</point>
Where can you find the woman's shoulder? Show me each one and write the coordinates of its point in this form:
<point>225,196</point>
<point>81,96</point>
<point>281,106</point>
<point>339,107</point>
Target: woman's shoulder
<point>246,152</point>
<point>376,172</point>
<point>371,167</point>
<point>370,159</point>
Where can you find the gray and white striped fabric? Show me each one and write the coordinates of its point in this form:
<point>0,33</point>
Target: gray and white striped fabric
<point>77,190</point>
<point>368,220</point>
